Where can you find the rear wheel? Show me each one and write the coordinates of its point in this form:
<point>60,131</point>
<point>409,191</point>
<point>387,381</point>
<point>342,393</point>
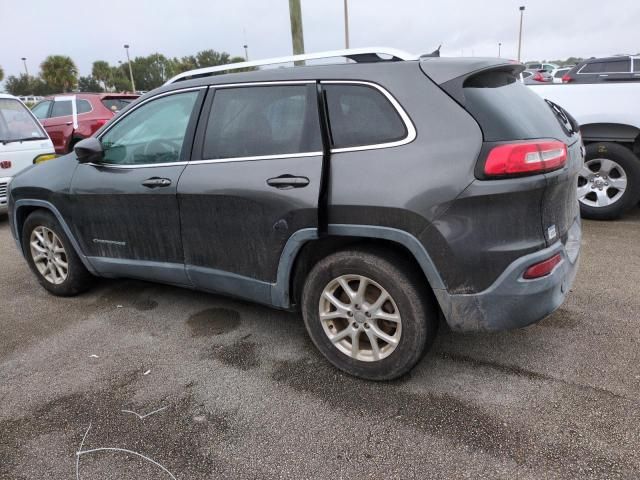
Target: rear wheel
<point>51,256</point>
<point>609,182</point>
<point>369,313</point>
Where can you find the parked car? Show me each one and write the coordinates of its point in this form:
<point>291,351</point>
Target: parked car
<point>622,68</point>
<point>70,118</point>
<point>23,142</point>
<point>609,114</point>
<point>547,67</point>
<point>31,99</point>
<point>559,73</point>
<point>376,197</point>
<point>537,76</point>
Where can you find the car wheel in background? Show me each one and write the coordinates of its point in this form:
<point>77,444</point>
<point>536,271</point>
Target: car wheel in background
<point>369,312</point>
<point>609,182</point>
<point>51,256</point>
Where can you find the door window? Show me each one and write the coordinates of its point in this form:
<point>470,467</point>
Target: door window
<point>83,106</point>
<point>261,121</point>
<point>593,67</point>
<point>41,110</point>
<point>153,133</point>
<point>617,66</point>
<point>61,108</point>
<point>361,115</point>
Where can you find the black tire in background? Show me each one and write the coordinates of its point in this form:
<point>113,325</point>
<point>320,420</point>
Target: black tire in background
<point>410,292</point>
<point>630,163</point>
<point>78,277</point>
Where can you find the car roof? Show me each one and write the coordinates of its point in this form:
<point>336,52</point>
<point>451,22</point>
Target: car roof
<point>7,95</point>
<point>89,95</point>
<point>607,59</point>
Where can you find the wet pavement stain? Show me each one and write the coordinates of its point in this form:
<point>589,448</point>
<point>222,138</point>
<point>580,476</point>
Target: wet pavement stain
<point>213,321</point>
<point>129,294</point>
<point>242,355</point>
<point>446,416</point>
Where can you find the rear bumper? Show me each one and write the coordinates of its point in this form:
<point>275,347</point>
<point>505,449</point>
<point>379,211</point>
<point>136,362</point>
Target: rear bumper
<point>512,301</point>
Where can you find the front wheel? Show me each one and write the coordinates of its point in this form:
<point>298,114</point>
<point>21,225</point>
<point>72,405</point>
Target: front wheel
<point>369,313</point>
<point>51,256</point>
<point>609,182</point>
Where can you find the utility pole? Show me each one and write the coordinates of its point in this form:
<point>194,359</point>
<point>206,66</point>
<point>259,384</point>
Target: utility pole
<point>346,24</point>
<point>24,60</point>
<point>246,52</point>
<point>133,85</point>
<point>520,34</point>
<point>499,45</point>
<point>297,39</point>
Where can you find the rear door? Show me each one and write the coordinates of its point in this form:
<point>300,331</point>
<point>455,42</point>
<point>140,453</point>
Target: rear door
<point>125,209</point>
<point>253,181</point>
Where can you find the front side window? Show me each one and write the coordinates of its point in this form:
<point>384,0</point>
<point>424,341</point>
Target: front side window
<point>16,123</point>
<point>41,110</point>
<point>153,133</point>
<point>361,115</point>
<point>261,121</point>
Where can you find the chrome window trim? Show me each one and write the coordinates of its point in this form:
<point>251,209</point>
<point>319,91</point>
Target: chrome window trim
<point>631,60</point>
<point>119,119</point>
<point>257,157</point>
<point>263,83</point>
<point>411,129</point>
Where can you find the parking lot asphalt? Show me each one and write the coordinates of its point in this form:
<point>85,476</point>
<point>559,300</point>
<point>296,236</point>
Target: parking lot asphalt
<point>235,390</point>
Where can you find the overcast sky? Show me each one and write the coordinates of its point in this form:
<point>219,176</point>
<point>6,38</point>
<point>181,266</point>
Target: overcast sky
<point>91,30</point>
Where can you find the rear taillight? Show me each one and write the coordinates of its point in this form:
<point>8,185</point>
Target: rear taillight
<point>99,123</point>
<point>538,77</point>
<point>543,268</point>
<point>525,158</point>
<point>566,78</point>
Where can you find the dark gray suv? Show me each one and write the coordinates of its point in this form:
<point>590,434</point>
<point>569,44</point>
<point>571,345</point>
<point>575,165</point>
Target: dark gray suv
<point>376,196</point>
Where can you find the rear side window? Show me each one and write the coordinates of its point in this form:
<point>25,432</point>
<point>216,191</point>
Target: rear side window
<point>260,121</point>
<point>617,66</point>
<point>83,106</point>
<point>507,110</point>
<point>361,115</point>
<point>61,108</point>
<point>636,65</point>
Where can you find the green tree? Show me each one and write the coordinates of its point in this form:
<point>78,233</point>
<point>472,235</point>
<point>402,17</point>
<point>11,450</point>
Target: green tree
<point>101,71</point>
<point>59,72</point>
<point>1,74</point>
<point>119,79</point>
<point>89,84</point>
<point>211,58</point>
<point>26,85</point>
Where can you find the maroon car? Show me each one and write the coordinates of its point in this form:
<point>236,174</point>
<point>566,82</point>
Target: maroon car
<point>92,111</point>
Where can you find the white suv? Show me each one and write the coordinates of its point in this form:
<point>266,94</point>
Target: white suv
<point>23,142</point>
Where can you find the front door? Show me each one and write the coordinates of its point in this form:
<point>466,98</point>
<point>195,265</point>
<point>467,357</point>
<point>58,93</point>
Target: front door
<point>125,209</point>
<point>254,180</point>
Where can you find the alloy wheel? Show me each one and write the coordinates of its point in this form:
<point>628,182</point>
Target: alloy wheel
<point>360,318</point>
<point>601,182</point>
<point>49,255</point>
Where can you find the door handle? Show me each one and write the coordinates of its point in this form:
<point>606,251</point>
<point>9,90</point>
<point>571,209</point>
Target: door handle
<point>286,182</point>
<point>155,182</point>
<point>69,123</point>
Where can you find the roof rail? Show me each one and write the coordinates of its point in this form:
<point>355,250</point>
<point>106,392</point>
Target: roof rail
<point>356,54</point>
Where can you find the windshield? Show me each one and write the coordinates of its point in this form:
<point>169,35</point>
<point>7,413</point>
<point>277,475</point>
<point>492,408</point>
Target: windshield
<point>16,123</point>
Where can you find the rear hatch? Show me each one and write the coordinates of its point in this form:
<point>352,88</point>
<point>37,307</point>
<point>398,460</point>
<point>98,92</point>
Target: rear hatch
<point>510,115</point>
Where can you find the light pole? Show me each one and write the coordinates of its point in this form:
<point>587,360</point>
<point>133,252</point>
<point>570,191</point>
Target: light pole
<point>520,34</point>
<point>24,60</point>
<point>346,24</point>
<point>246,52</point>
<point>133,85</point>
<point>499,45</point>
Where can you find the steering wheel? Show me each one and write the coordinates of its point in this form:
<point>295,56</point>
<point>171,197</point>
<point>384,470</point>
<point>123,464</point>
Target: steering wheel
<point>161,147</point>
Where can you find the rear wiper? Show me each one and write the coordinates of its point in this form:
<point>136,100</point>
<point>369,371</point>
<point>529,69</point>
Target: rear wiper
<point>569,123</point>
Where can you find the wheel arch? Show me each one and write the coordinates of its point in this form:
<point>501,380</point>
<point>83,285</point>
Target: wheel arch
<point>305,248</point>
<point>610,132</point>
<point>25,207</point>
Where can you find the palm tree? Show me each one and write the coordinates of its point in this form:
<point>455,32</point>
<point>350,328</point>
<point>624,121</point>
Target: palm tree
<point>101,71</point>
<point>59,72</point>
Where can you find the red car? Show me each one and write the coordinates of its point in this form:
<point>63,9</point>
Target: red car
<point>92,111</point>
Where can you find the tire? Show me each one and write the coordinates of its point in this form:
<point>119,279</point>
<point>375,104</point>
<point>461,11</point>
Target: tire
<point>608,165</point>
<point>381,271</point>
<point>45,225</point>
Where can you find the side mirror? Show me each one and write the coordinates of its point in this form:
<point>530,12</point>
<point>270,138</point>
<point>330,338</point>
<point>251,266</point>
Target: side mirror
<point>89,150</point>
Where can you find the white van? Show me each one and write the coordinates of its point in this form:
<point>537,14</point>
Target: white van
<point>23,142</point>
